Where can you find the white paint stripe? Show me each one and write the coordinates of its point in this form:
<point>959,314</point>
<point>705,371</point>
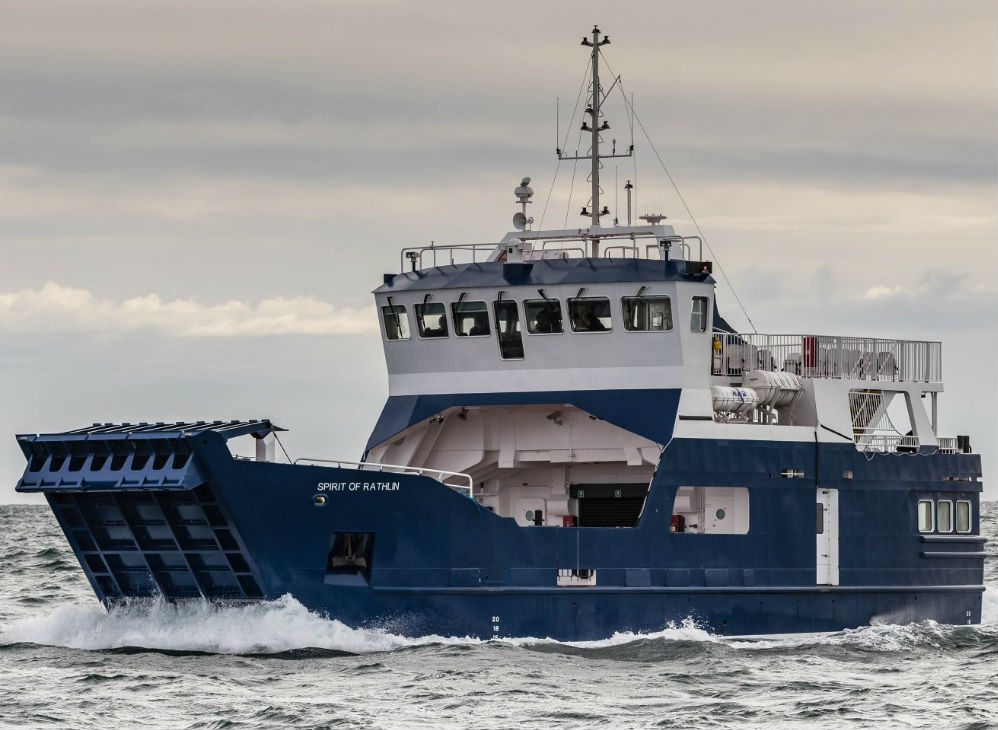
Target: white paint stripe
<point>531,381</point>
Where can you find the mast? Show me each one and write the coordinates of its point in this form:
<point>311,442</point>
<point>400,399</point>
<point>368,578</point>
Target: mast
<point>595,132</point>
<point>594,125</point>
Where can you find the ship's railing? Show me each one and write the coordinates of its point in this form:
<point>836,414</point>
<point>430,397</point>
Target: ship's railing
<point>422,257</point>
<point>884,440</point>
<point>821,356</point>
<point>466,484</point>
<point>947,445</point>
<point>626,242</point>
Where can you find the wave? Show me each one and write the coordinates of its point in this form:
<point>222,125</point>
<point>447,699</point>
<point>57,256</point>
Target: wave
<point>267,627</point>
<point>286,626</point>
<point>989,608</point>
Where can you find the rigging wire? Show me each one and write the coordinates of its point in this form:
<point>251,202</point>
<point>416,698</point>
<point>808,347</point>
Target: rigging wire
<point>278,440</point>
<point>675,187</point>
<point>571,187</point>
<point>634,157</point>
<point>568,130</point>
<point>554,179</point>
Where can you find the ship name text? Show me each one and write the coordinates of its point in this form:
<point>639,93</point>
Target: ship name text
<point>358,486</point>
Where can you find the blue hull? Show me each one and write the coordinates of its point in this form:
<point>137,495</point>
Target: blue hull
<point>223,528</point>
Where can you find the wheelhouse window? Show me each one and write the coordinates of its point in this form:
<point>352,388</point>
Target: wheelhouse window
<point>698,318</point>
<point>925,516</point>
<point>508,329</point>
<point>590,314</point>
<point>963,519</point>
<point>396,322</point>
<point>944,516</point>
<point>431,319</point>
<point>543,316</point>
<point>647,314</point>
<point>471,319</point>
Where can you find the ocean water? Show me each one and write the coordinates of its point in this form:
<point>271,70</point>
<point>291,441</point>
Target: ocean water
<point>67,663</point>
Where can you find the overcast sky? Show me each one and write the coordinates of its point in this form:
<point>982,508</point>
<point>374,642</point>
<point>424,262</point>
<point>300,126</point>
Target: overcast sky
<point>196,198</point>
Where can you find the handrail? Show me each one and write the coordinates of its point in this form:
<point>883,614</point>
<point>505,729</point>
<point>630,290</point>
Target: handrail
<point>562,248</point>
<point>419,251</point>
<point>416,254</point>
<point>884,440</point>
<point>608,249</point>
<point>552,253</point>
<point>822,356</point>
<point>442,474</point>
<point>947,445</point>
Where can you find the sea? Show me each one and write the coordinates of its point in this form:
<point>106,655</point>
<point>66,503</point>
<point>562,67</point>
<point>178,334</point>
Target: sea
<point>65,662</point>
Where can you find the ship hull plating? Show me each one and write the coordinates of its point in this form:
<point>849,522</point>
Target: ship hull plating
<point>436,562</point>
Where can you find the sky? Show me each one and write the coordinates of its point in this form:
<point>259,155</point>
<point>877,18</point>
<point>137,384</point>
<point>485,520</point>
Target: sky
<point>196,199</point>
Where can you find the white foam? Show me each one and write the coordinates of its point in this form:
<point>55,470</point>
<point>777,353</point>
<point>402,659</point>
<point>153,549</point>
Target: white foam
<point>989,609</point>
<point>264,627</point>
<point>686,630</point>
<point>884,637</point>
<point>285,624</point>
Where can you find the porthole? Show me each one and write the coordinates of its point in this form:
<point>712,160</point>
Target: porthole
<point>320,500</point>
<point>720,514</point>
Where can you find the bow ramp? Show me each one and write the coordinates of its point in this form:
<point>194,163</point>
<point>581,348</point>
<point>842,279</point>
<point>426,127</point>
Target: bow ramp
<point>136,505</point>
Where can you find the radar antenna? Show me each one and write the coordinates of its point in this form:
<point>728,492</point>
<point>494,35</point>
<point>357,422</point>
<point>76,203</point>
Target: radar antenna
<point>594,126</point>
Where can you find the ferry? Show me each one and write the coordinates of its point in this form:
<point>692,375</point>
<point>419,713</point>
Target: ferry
<point>575,443</point>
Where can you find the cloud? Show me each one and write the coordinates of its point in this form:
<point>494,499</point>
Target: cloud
<point>879,291</point>
<point>57,308</point>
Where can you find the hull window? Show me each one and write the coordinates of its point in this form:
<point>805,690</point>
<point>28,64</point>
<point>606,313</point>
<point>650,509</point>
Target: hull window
<point>925,516</point>
<point>944,516</point>
<point>508,329</point>
<point>431,319</point>
<point>471,319</point>
<point>963,521</point>
<point>590,314</point>
<point>647,314</point>
<point>543,316</point>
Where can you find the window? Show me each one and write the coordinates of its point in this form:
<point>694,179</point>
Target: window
<point>647,314</point>
<point>396,322</point>
<point>698,319</point>
<point>508,329</point>
<point>963,521</point>
<point>543,316</point>
<point>471,319</point>
<point>431,319</point>
<point>590,314</point>
<point>819,526</point>
<point>925,522</point>
<point>944,515</point>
